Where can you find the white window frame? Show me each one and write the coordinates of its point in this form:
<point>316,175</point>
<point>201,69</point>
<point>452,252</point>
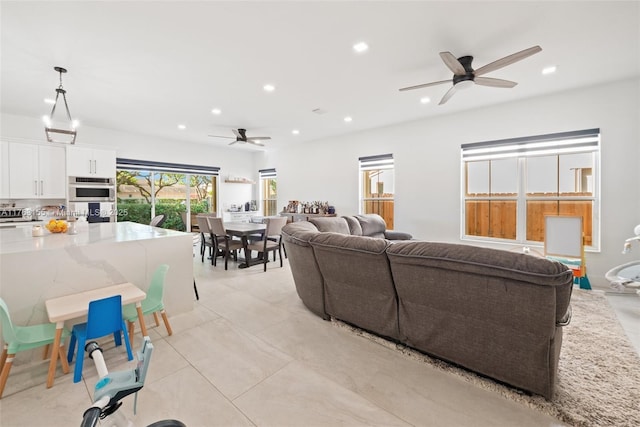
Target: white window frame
<point>266,174</point>
<point>583,141</point>
<point>382,161</point>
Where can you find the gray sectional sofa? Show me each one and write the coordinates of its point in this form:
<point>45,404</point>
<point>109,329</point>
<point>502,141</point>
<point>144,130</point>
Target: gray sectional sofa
<point>494,312</point>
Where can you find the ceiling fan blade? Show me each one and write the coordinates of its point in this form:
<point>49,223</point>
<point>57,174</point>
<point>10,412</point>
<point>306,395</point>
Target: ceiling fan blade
<point>448,95</point>
<point>231,143</point>
<point>488,81</point>
<point>453,63</point>
<point>260,137</point>
<point>507,60</point>
<point>251,141</point>
<point>238,133</point>
<point>424,85</point>
<point>220,136</point>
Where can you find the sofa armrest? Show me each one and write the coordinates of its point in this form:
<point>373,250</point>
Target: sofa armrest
<point>397,235</point>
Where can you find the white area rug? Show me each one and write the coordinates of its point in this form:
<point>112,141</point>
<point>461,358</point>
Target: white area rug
<point>598,374</point>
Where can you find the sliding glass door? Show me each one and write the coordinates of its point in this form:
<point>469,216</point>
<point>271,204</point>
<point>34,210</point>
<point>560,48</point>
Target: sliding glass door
<point>142,194</point>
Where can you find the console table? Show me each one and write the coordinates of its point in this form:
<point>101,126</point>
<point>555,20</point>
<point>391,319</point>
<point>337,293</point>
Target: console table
<point>295,217</point>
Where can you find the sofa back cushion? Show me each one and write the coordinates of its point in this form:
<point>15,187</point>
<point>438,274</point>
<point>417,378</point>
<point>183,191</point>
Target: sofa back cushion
<point>330,225</point>
<point>372,225</point>
<point>304,268</point>
<point>491,310</point>
<point>358,284</point>
<point>354,225</point>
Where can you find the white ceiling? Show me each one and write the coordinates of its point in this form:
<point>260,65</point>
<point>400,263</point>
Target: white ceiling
<point>146,67</point>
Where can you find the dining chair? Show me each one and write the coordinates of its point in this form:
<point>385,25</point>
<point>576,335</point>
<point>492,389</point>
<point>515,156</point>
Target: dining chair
<point>222,241</point>
<point>153,303</point>
<point>22,338</point>
<point>271,241</point>
<point>104,318</point>
<point>158,220</point>
<point>206,241</point>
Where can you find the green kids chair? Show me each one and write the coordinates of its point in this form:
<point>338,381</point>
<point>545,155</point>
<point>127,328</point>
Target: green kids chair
<point>21,338</point>
<point>153,303</point>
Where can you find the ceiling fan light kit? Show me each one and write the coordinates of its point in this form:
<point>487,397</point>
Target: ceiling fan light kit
<point>465,76</point>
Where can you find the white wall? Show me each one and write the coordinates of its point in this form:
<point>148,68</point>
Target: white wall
<point>427,159</point>
<point>135,146</point>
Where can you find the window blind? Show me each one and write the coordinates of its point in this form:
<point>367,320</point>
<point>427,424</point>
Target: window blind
<point>381,161</point>
<point>133,164</point>
<point>556,143</point>
<point>267,173</point>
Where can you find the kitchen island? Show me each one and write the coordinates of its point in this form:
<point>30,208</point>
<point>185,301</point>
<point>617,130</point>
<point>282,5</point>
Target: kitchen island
<point>35,269</point>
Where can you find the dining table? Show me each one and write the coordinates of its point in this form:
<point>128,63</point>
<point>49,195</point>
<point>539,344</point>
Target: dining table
<point>76,305</point>
<point>243,230</point>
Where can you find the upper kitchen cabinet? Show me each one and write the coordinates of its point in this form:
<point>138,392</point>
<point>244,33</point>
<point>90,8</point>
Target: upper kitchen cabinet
<point>91,162</point>
<point>36,171</point>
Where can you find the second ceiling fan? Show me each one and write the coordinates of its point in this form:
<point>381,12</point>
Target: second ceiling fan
<point>464,75</point>
<point>241,137</point>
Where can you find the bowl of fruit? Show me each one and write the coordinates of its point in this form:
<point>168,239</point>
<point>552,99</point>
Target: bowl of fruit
<point>57,226</point>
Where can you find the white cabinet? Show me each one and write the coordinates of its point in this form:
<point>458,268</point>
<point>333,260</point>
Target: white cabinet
<point>36,171</point>
<point>4,170</point>
<point>91,162</point>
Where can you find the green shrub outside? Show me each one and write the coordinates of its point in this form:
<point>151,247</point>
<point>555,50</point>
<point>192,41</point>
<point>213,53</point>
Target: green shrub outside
<point>141,212</point>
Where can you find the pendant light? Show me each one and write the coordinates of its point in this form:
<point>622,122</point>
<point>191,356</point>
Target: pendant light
<point>60,130</point>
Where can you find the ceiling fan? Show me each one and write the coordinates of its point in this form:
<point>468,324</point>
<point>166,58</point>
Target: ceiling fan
<point>241,137</point>
<point>464,75</point>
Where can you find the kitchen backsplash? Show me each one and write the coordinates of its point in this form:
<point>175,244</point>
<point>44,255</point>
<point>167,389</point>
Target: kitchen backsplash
<point>40,208</point>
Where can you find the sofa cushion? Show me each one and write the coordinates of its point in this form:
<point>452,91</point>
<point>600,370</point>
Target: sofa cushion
<point>331,225</point>
<point>299,233</point>
<point>357,281</point>
<point>373,225</point>
<point>490,310</point>
<point>354,225</point>
<point>304,268</point>
<point>481,261</point>
<point>397,235</point>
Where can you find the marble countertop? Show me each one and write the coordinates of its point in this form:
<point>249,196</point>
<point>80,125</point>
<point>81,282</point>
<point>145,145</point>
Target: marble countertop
<point>19,239</point>
<point>12,224</point>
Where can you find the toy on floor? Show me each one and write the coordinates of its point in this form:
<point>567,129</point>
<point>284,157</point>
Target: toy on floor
<point>111,388</point>
<point>626,275</point>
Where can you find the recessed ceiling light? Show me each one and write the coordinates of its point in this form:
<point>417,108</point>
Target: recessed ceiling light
<point>182,127</point>
<point>216,111</point>
<point>361,47</point>
<point>49,101</point>
<point>295,132</point>
<point>269,87</point>
<point>549,70</point>
<point>348,119</point>
<point>425,100</point>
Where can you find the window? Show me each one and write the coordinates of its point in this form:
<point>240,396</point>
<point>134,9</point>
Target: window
<point>268,192</point>
<point>377,186</point>
<point>509,186</point>
<point>146,189</point>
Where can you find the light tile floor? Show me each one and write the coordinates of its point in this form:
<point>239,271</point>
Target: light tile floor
<point>251,354</point>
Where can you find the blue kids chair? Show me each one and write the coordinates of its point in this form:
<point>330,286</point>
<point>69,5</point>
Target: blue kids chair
<point>104,318</point>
